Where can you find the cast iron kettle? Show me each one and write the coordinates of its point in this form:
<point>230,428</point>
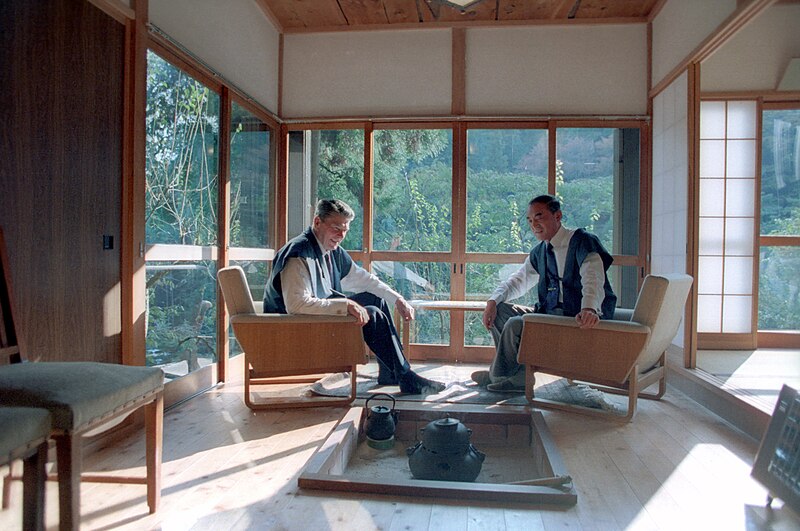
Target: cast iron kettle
<point>380,423</point>
<point>445,453</point>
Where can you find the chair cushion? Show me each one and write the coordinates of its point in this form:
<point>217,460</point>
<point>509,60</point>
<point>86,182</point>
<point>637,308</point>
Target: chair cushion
<point>20,426</point>
<point>76,393</point>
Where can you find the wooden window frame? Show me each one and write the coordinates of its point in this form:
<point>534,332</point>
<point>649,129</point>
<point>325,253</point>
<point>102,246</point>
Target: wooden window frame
<point>220,253</point>
<point>457,256</point>
<point>770,338</point>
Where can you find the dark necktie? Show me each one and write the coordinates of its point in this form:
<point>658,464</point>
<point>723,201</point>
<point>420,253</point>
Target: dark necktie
<point>329,267</point>
<point>552,280</point>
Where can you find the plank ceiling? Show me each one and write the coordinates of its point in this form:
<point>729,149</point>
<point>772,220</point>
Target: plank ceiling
<point>294,16</point>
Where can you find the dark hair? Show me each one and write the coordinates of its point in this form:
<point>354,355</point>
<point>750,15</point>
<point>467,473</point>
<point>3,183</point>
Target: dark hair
<point>553,204</point>
<point>328,207</point>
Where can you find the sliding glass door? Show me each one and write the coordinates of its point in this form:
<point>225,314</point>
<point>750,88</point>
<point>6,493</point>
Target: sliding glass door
<point>181,219</point>
<point>208,202</point>
<point>779,241</point>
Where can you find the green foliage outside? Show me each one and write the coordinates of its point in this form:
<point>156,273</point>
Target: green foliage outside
<point>778,286</point>
<point>182,128</point>
<point>412,202</point>
<point>249,182</point>
<point>339,167</point>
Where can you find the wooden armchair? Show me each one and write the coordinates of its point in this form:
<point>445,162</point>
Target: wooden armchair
<point>277,346</point>
<point>618,356</point>
<point>81,397</point>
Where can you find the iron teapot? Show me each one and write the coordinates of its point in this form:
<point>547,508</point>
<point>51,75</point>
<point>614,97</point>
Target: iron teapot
<point>445,453</point>
<point>380,423</point>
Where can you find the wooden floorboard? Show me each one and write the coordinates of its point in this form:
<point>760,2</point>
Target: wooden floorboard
<point>676,466</point>
<point>755,374</point>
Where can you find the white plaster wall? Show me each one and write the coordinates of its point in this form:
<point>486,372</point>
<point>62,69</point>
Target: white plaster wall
<point>680,27</point>
<point>755,58</point>
<point>598,69</point>
<point>670,181</point>
<point>233,37</point>
<point>406,72</point>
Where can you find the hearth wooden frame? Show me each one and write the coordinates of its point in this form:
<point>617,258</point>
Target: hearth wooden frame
<point>326,470</point>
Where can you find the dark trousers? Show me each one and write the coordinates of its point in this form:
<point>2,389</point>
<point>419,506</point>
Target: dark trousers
<point>382,338</point>
<point>507,333</point>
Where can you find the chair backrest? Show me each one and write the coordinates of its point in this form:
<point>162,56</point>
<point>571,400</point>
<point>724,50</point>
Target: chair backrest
<point>660,306</point>
<point>235,291</point>
<point>9,346</point>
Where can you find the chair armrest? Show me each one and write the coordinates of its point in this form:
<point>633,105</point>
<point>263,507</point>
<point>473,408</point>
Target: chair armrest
<point>625,326</point>
<point>282,318</point>
<point>556,345</point>
<point>285,344</point>
<point>623,314</point>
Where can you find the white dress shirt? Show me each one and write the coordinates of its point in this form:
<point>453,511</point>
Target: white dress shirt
<point>526,277</point>
<point>299,295</point>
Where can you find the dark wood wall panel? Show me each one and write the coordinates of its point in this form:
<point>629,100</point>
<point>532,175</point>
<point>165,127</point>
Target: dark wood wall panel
<point>61,77</point>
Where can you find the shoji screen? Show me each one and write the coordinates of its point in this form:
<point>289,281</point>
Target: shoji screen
<point>728,154</point>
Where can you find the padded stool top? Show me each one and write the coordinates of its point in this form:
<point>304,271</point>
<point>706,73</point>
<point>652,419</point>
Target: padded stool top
<point>78,392</point>
<point>20,426</point>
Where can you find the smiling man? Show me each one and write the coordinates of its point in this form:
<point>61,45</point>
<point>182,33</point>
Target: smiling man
<point>568,267</point>
<point>309,275</point>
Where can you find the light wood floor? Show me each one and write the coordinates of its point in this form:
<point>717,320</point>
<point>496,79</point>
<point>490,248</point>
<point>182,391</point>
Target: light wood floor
<point>756,373</point>
<point>676,466</point>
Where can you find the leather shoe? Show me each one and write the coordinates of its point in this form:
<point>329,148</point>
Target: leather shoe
<point>387,379</point>
<point>506,386</point>
<point>414,384</point>
<point>481,378</point>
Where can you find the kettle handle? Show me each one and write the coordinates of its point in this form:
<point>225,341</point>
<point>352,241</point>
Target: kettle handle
<point>387,395</point>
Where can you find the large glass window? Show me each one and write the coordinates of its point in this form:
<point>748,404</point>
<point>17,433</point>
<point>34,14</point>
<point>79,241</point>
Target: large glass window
<point>413,175</point>
<point>250,224</point>
<point>779,287</point>
<point>250,197</point>
<point>250,170</point>
<point>450,228</point>
<point>339,173</point>
<point>597,179</point>
<point>505,169</point>
<point>412,201</point>
<point>182,127</point>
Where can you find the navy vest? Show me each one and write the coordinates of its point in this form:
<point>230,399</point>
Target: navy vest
<point>580,245</point>
<point>304,246</point>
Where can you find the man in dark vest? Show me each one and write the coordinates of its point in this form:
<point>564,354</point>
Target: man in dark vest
<point>568,267</point>
<point>309,275</point>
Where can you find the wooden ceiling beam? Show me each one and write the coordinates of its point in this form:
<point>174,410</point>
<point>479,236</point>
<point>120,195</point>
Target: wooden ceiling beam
<point>564,8</point>
<point>264,6</point>
<point>358,12</point>
<point>401,11</point>
<point>301,16</point>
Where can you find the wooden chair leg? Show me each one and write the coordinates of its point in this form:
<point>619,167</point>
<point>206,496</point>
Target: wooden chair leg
<point>633,393</point>
<point>33,480</point>
<point>530,381</point>
<point>68,452</point>
<point>154,428</point>
<point>7,486</point>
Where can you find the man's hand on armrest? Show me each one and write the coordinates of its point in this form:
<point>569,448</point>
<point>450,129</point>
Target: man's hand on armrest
<point>489,314</point>
<point>357,311</point>
<point>587,318</point>
<point>405,309</point>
